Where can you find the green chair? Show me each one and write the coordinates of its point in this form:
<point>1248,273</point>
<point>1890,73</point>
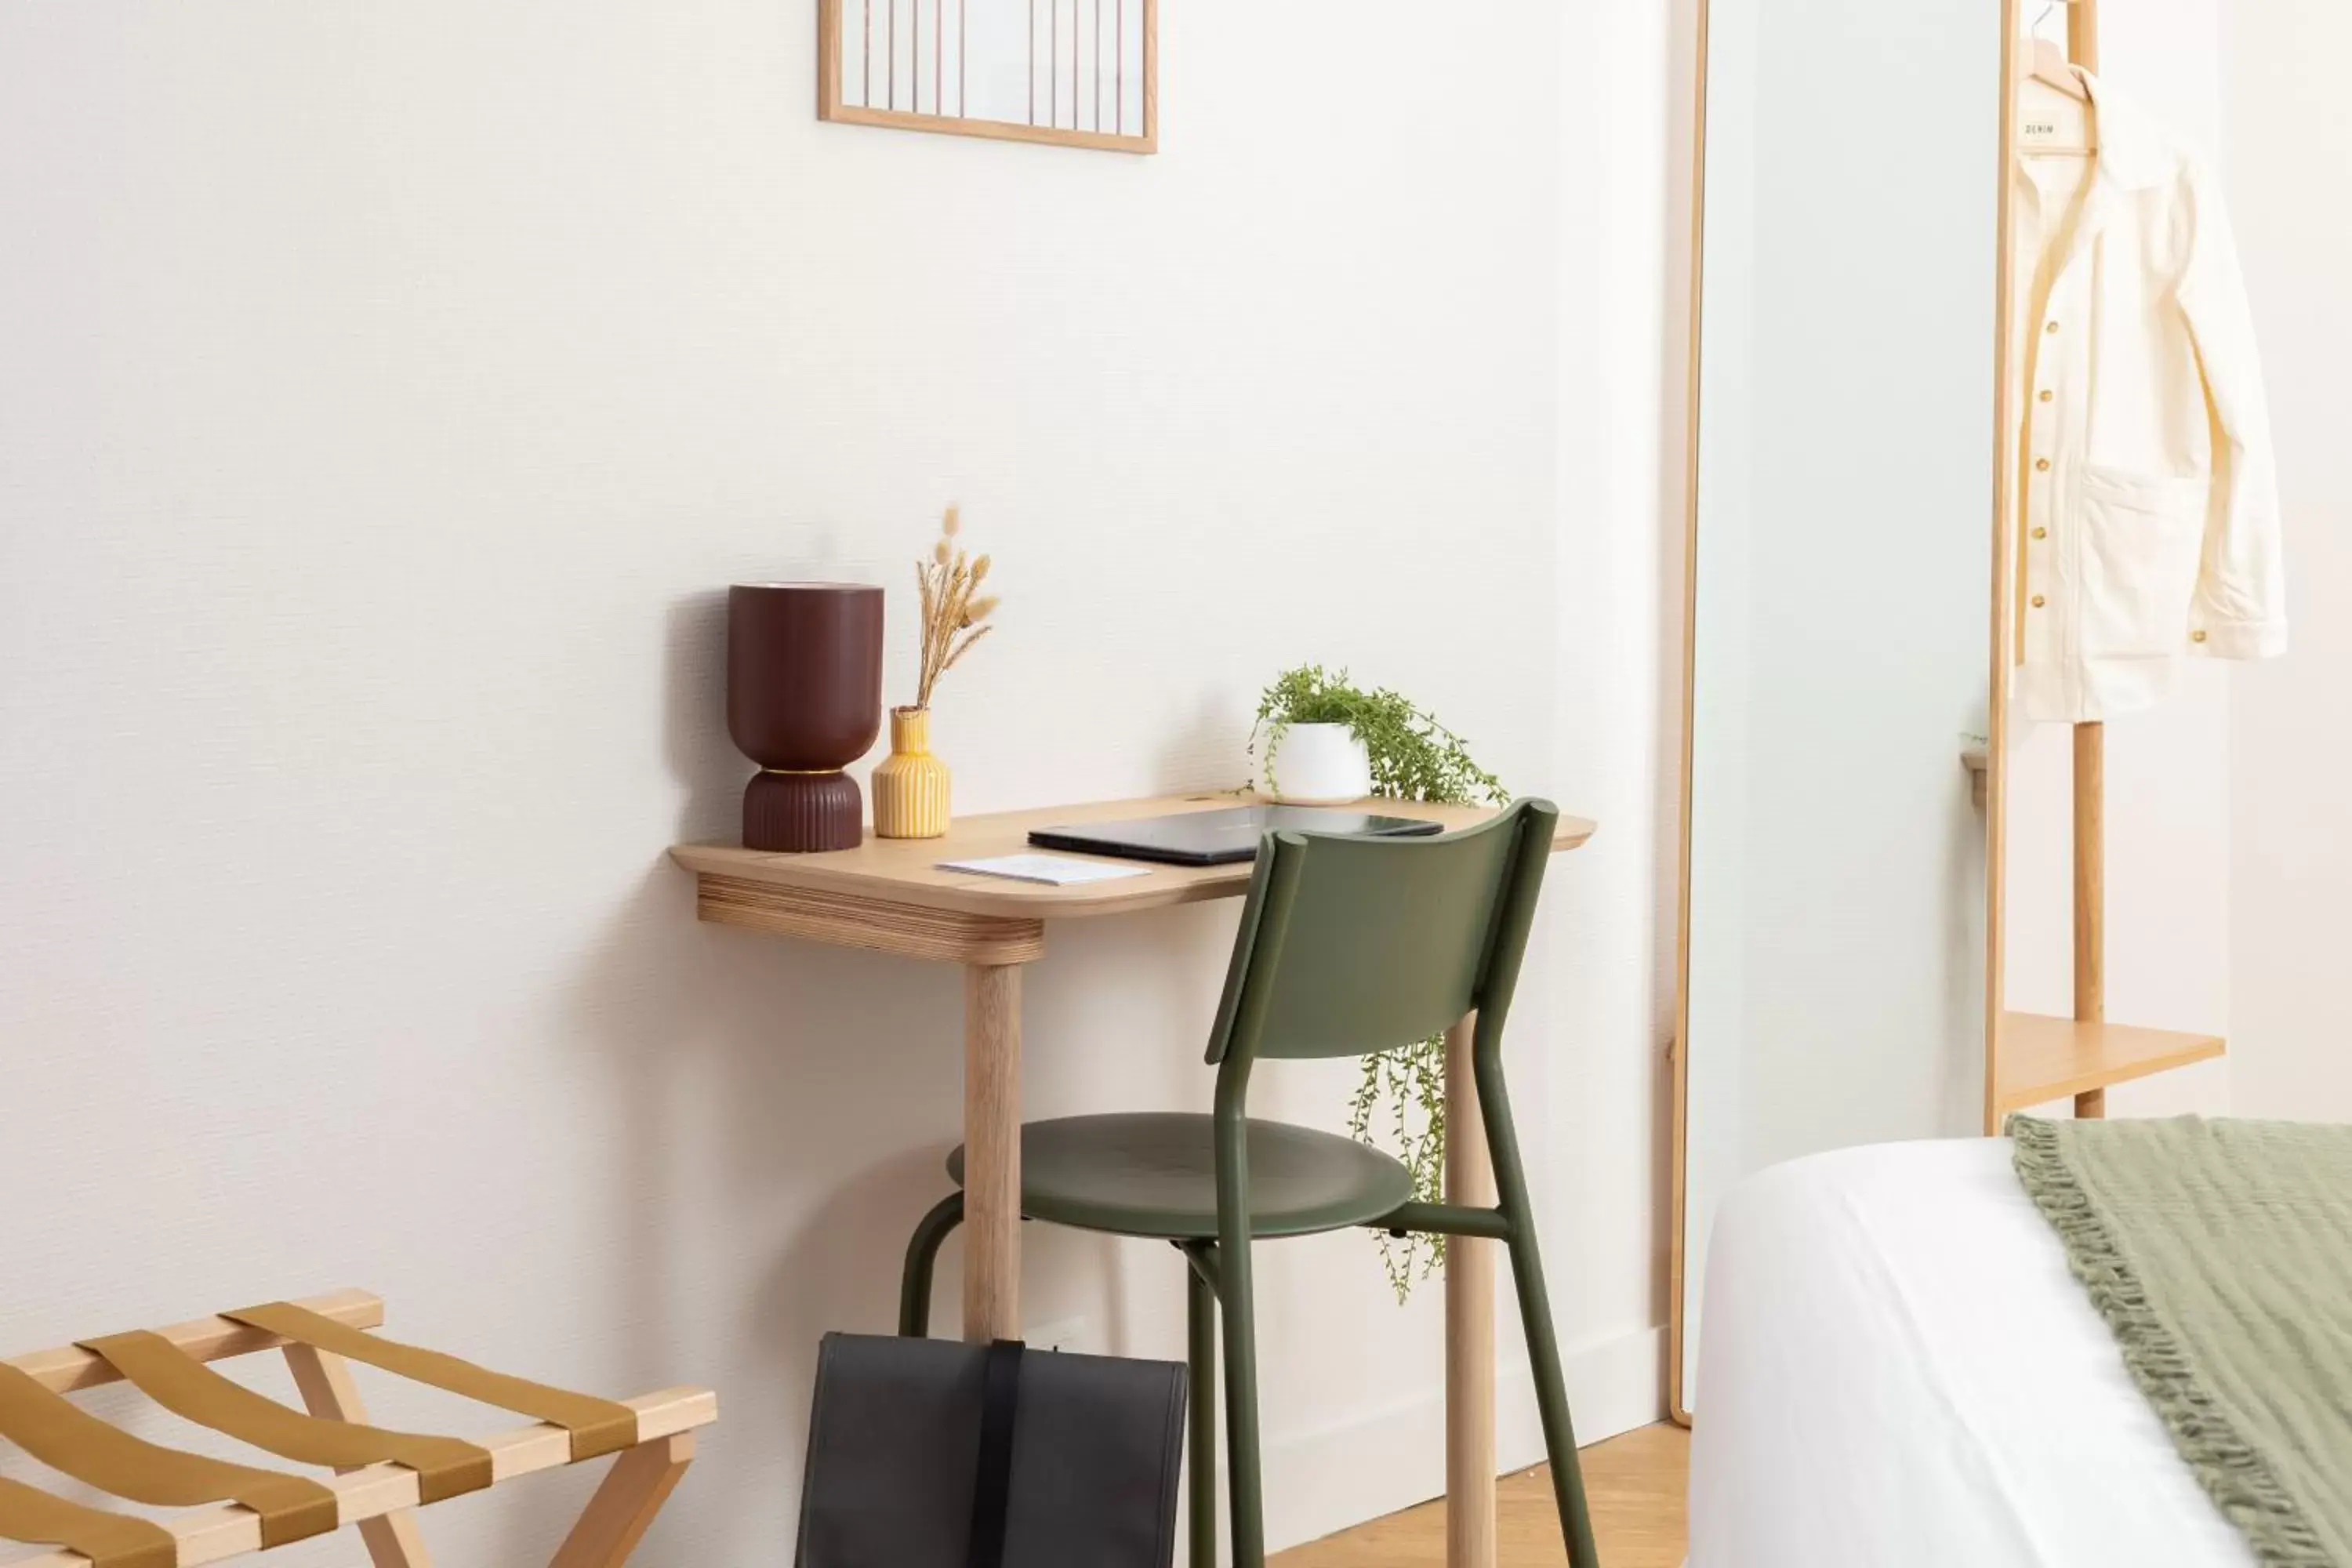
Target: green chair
<point>1347,946</point>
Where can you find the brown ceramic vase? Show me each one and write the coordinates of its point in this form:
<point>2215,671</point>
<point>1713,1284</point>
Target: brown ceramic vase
<point>803,701</point>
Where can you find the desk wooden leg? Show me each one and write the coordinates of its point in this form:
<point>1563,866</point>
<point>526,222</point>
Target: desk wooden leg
<point>1469,1324</point>
<point>991,1151</point>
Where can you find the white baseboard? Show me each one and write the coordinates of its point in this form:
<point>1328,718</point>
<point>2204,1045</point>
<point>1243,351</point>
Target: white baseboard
<point>1392,1458</point>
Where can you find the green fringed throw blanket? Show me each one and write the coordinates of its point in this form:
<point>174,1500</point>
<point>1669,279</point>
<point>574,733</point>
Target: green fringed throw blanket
<point>2220,1254</point>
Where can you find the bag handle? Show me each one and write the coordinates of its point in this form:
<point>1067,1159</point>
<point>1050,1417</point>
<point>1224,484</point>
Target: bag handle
<point>992,1490</point>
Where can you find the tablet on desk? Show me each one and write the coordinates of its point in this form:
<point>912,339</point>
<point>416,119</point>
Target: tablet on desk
<point>1219,838</point>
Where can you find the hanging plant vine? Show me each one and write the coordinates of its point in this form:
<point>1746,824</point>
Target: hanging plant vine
<point>1400,1101</point>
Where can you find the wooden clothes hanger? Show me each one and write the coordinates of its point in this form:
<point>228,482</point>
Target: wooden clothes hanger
<point>2045,64</point>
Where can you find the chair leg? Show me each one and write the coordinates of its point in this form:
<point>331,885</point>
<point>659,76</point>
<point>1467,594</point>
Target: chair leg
<point>923,1259</point>
<point>1242,1461</point>
<point>1535,1318</point>
<point>1552,1394</point>
<point>1200,1325</point>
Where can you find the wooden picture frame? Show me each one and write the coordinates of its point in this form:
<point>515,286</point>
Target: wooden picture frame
<point>1109,129</point>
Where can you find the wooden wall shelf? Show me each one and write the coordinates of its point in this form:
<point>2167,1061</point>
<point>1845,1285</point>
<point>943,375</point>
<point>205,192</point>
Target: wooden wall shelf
<point>2044,1058</point>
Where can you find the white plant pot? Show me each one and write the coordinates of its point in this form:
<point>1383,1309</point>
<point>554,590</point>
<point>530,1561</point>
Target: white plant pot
<point>1317,764</point>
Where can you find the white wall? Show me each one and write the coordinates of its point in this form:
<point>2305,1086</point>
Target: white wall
<point>2168,818</point>
<point>2289,144</point>
<point>389,394</point>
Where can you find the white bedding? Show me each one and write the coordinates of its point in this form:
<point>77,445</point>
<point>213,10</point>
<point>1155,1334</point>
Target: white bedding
<point>1897,1371</point>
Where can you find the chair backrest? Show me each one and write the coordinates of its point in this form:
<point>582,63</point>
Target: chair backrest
<point>1349,946</point>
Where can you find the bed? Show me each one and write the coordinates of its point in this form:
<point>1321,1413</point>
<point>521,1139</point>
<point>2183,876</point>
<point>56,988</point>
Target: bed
<point>1897,1371</point>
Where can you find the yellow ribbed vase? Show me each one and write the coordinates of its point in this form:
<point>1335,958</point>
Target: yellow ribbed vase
<point>911,786</point>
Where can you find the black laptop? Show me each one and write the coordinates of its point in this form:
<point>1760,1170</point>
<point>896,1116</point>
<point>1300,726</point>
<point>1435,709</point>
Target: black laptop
<point>1219,838</point>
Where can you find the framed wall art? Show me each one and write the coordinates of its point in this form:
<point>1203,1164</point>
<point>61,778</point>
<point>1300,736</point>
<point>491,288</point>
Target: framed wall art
<point>1072,73</point>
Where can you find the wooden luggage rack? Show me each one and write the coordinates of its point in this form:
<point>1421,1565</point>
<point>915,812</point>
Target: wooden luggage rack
<point>379,1478</point>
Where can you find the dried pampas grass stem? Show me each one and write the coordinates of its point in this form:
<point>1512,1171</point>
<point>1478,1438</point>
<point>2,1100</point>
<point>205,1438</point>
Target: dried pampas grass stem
<point>952,618</point>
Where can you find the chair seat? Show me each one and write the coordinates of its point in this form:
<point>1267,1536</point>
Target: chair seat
<point>1155,1174</point>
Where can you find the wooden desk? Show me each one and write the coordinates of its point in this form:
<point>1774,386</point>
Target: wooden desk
<point>890,895</point>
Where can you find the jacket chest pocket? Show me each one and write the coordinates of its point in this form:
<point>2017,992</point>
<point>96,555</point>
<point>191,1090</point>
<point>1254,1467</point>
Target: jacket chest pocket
<point>2142,535</point>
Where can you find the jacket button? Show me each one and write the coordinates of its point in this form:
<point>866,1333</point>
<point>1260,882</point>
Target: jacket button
<point>2040,533</point>
<point>2196,636</point>
<point>2041,465</point>
<point>2045,395</point>
<point>2051,328</point>
<point>2037,601</point>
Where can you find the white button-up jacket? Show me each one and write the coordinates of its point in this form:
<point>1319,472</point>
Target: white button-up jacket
<point>2148,519</point>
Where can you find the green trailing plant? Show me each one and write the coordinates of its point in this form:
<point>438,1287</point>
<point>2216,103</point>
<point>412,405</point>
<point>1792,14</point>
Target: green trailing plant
<point>1400,1101</point>
<point>1414,756</point>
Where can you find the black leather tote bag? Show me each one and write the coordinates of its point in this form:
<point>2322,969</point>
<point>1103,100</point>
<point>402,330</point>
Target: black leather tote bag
<point>934,1454</point>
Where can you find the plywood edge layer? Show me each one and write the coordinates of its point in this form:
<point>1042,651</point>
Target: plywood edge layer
<point>912,930</point>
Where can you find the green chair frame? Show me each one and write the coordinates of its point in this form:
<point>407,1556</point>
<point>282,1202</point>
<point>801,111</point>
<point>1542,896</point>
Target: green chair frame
<point>1341,942</point>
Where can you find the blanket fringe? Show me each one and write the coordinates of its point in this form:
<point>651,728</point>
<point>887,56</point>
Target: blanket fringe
<point>2233,1472</point>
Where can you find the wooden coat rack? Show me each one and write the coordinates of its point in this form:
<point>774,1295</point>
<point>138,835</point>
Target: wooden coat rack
<point>2090,752</point>
<point>2035,1059</point>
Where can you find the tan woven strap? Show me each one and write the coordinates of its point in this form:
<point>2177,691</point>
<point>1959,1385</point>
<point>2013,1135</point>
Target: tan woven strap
<point>445,1467</point>
<point>63,1436</point>
<point>108,1540</point>
<point>597,1426</point>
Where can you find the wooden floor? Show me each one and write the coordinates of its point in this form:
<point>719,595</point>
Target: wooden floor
<point>1636,1486</point>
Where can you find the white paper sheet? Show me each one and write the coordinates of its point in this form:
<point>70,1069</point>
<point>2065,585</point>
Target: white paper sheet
<point>1058,869</point>
<point>1897,1371</point>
